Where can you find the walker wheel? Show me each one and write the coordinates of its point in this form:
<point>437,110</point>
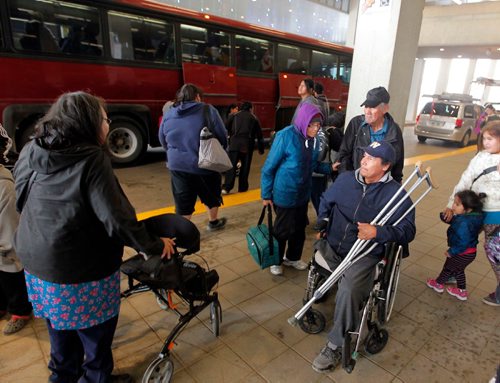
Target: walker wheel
<point>376,340</point>
<point>215,317</point>
<point>313,322</point>
<point>159,370</point>
<point>162,304</point>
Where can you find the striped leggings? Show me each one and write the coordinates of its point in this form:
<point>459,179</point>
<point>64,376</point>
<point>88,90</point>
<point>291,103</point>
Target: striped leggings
<point>455,267</point>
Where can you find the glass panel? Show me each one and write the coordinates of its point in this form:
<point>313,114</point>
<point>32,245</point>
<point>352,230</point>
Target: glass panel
<point>141,38</point>
<point>55,27</point>
<point>324,65</point>
<point>293,59</point>
<point>469,111</point>
<point>205,46</point>
<point>345,69</point>
<point>254,54</point>
<point>441,109</point>
<point>1,37</point>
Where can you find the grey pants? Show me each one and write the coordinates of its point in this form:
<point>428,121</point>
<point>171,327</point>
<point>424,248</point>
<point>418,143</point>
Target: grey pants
<point>354,287</point>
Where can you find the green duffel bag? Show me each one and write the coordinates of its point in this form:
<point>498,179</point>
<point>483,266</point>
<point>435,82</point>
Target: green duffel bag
<point>263,247</point>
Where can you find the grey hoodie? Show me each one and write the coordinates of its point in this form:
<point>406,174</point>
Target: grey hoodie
<point>9,218</point>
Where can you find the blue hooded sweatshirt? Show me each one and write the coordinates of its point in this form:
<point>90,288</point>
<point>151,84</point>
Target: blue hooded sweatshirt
<point>286,176</point>
<point>179,135</point>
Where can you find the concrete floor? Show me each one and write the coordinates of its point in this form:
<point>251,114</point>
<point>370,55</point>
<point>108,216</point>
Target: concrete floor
<point>432,337</point>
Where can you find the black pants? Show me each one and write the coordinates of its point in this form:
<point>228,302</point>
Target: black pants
<point>290,231</point>
<point>230,175</point>
<point>455,267</point>
<point>318,186</point>
<point>82,356</point>
<point>13,294</point>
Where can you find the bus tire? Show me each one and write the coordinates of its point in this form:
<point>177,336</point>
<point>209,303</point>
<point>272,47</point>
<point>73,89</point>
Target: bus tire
<point>125,142</point>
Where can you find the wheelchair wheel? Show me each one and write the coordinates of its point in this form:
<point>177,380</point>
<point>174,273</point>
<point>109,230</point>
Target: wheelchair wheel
<point>313,322</point>
<point>159,370</point>
<point>162,304</point>
<point>215,317</point>
<point>376,340</point>
<point>385,306</point>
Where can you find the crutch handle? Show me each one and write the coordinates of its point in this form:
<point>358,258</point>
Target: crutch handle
<point>429,178</point>
<point>420,166</point>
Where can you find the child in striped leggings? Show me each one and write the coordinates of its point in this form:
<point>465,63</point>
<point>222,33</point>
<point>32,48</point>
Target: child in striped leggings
<point>462,235</point>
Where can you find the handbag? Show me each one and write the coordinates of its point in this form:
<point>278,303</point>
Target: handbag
<point>263,247</point>
<point>211,155</point>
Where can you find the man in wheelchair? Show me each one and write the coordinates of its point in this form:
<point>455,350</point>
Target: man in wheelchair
<point>346,209</point>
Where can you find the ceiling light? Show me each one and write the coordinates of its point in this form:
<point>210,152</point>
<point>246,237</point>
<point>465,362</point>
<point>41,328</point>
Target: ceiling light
<point>441,49</point>
<point>459,56</point>
<point>458,2</point>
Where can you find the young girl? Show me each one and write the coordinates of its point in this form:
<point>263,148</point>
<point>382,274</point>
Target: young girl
<point>479,178</point>
<point>462,234</point>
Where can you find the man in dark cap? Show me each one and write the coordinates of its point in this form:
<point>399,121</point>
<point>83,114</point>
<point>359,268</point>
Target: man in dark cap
<point>345,213</point>
<point>376,124</point>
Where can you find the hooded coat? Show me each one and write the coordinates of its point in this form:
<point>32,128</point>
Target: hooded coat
<point>9,219</point>
<point>75,217</point>
<point>286,176</point>
<point>179,135</point>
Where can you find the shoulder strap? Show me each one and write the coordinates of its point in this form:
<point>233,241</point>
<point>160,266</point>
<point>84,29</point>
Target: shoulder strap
<point>206,117</point>
<point>484,172</point>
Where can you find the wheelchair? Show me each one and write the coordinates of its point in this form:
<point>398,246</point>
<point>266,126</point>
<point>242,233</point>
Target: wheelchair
<point>175,277</point>
<point>376,310</point>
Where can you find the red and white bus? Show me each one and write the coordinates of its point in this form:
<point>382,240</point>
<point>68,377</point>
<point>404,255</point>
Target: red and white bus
<point>136,54</point>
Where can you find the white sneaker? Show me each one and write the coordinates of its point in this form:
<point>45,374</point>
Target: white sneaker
<point>299,265</point>
<point>276,270</point>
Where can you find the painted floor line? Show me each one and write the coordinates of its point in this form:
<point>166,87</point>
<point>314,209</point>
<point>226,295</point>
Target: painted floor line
<point>254,194</point>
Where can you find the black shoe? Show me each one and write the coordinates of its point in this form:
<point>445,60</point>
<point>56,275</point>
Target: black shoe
<point>121,378</point>
<point>218,224</point>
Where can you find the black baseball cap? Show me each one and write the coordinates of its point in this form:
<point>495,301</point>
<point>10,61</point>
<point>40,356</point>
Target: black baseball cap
<point>381,149</point>
<point>376,96</point>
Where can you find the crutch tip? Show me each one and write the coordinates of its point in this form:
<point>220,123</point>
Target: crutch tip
<point>293,321</point>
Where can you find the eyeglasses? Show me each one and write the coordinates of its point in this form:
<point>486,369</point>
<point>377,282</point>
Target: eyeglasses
<point>108,120</point>
<point>315,125</point>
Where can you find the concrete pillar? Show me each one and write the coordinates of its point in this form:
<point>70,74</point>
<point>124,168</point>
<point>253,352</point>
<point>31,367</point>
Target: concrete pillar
<point>353,21</point>
<point>491,74</point>
<point>442,79</point>
<point>385,47</point>
<point>416,84</point>
<point>469,76</point>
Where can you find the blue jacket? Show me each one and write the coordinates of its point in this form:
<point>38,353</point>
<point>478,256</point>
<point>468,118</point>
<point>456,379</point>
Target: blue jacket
<point>349,201</point>
<point>286,176</point>
<point>463,232</point>
<point>179,135</point>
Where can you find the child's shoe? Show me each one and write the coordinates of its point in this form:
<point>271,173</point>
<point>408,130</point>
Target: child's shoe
<point>438,287</point>
<point>458,293</point>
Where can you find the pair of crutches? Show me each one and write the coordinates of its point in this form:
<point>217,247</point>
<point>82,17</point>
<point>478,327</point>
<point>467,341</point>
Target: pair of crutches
<point>356,252</point>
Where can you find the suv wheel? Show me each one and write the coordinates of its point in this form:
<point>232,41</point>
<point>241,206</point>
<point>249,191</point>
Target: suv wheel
<point>422,139</point>
<point>466,140</point>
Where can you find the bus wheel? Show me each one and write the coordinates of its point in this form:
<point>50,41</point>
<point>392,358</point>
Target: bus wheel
<point>125,142</point>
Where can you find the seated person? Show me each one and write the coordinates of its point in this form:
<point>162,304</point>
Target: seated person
<point>346,210</point>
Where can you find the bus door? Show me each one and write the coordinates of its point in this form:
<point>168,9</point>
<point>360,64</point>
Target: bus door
<point>288,98</point>
<point>217,82</point>
<point>336,93</point>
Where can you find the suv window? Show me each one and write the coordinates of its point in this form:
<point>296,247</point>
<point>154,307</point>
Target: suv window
<point>441,109</point>
<point>469,111</point>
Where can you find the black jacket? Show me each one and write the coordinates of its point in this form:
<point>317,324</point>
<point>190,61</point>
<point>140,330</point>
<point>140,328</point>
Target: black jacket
<point>357,136</point>
<point>76,218</point>
<point>243,128</point>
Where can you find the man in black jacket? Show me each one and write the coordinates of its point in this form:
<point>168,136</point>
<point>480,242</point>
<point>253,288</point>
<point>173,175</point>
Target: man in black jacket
<point>376,124</point>
<point>243,128</point>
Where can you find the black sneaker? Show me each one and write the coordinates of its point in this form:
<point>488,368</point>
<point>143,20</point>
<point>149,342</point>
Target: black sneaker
<point>218,224</point>
<point>327,359</point>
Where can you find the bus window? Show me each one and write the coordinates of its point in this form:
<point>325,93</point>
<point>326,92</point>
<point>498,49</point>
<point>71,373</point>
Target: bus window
<point>345,69</point>
<point>205,46</point>
<point>324,65</point>
<point>55,27</point>
<point>141,38</point>
<point>293,59</point>
<point>254,54</point>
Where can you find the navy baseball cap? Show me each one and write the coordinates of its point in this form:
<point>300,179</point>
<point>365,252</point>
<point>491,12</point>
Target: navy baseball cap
<point>381,149</point>
<point>376,96</point>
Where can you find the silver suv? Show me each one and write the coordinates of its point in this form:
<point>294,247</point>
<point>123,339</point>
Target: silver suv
<point>449,117</point>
